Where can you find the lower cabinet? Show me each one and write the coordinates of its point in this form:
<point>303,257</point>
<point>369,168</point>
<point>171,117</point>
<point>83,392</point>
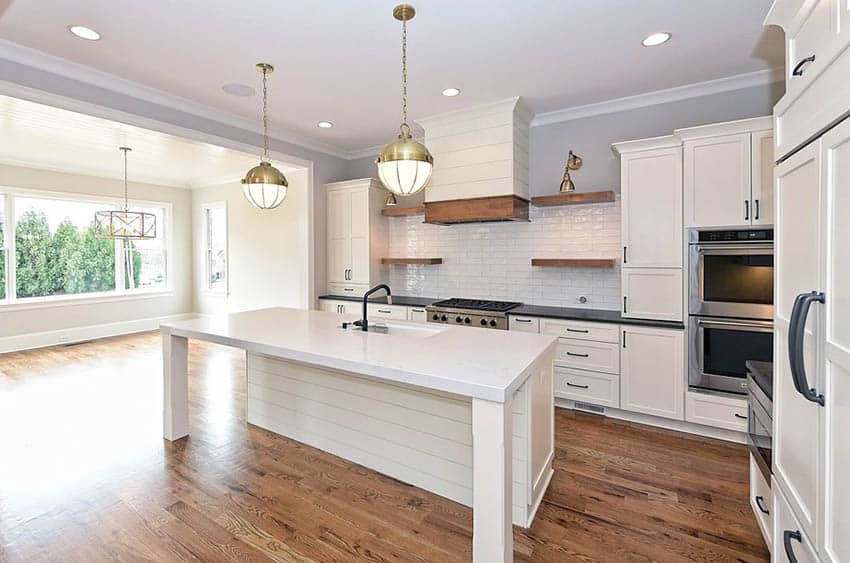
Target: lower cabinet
<point>719,411</point>
<point>652,371</point>
<point>653,293</point>
<point>761,501</point>
<point>790,542</point>
<point>341,307</point>
<point>587,386</point>
<point>417,314</point>
<point>378,311</point>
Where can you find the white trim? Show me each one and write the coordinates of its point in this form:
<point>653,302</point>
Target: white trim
<point>78,299</point>
<point>205,286</point>
<point>736,127</point>
<point>45,62</point>
<point>83,333</point>
<point>667,423</point>
<point>727,84</point>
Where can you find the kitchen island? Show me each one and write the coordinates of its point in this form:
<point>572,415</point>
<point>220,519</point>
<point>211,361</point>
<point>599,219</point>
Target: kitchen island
<point>464,413</point>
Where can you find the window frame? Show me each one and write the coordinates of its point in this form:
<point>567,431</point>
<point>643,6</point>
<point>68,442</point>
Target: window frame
<point>206,249</point>
<point>12,302</point>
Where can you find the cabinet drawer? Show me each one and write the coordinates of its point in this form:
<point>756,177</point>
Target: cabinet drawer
<point>587,355</point>
<point>417,314</point>
<point>579,330</point>
<point>761,501</point>
<point>786,526</point>
<point>342,307</point>
<point>396,312</point>
<point>354,289</point>
<point>814,38</point>
<point>719,411</point>
<point>524,324</point>
<point>591,387</point>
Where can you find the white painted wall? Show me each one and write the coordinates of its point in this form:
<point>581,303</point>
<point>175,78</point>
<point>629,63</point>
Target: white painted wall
<point>58,317</point>
<point>268,250</point>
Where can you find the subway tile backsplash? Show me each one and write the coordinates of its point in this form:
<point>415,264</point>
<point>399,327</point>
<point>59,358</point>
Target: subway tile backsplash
<point>493,260</point>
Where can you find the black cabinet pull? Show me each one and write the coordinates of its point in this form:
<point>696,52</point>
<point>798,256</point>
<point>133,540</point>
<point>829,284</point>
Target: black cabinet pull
<point>523,320</point>
<point>787,536</point>
<point>577,385</point>
<point>625,261</point>
<point>742,417</point>
<point>578,355</point>
<point>798,70</point>
<point>624,339</point>
<point>757,210</point>
<point>585,331</point>
<point>796,341</point>
<point>384,311</point>
<point>759,500</point>
<point>348,289</point>
<point>624,304</point>
<point>746,210</point>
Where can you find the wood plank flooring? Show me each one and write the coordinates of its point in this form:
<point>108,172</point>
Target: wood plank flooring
<point>85,476</point>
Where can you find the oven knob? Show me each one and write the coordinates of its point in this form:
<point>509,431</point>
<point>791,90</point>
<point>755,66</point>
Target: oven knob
<point>467,320</point>
<point>492,323</point>
<point>458,319</point>
<point>443,318</point>
<point>436,317</point>
<point>483,322</point>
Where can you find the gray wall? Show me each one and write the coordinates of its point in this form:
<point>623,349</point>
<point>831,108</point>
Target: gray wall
<point>591,137</point>
<point>363,167</point>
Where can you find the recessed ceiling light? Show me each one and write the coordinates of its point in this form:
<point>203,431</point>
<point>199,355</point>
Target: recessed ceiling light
<point>655,39</point>
<point>84,32</point>
<point>451,92</point>
<point>240,90</point>
<point>324,125</point>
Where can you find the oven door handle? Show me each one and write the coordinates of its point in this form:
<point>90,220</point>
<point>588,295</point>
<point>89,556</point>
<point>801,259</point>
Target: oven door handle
<point>796,344</point>
<point>744,248</point>
<point>754,326</point>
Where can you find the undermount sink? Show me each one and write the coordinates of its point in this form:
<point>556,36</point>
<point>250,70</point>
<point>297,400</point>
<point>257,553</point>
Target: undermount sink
<point>399,329</point>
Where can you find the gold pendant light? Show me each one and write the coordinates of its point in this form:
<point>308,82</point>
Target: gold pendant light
<point>124,224</point>
<point>264,185</point>
<point>404,165</point>
<point>574,162</point>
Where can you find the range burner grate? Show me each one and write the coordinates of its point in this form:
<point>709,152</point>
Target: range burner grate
<point>478,304</point>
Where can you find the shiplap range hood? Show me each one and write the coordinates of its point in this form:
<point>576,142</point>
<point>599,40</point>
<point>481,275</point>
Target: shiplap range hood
<point>480,164</point>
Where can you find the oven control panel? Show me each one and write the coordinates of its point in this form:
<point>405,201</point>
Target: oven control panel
<point>757,235</point>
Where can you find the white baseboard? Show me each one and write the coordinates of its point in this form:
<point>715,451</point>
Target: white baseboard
<point>669,424</point>
<point>83,333</point>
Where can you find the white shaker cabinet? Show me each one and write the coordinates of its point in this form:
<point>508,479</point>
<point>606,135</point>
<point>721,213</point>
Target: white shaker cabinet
<point>356,236</point>
<point>724,173</point>
<point>652,371</point>
<point>652,293</point>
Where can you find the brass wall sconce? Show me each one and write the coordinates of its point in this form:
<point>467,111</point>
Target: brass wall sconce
<point>574,162</point>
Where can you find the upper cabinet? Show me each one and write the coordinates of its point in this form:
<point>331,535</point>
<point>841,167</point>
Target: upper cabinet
<point>356,236</point>
<point>728,169</point>
<point>651,197</point>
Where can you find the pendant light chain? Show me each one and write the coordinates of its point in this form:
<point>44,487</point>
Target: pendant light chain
<point>265,119</point>
<point>405,128</point>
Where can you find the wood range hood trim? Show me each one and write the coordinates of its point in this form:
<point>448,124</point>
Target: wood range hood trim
<point>477,210</point>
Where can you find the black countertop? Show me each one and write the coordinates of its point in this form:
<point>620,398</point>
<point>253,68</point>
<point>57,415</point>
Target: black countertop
<point>762,373</point>
<point>565,313</point>
<point>590,315</point>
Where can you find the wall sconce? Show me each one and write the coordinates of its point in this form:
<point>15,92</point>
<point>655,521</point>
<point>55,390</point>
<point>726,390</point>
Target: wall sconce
<point>574,162</point>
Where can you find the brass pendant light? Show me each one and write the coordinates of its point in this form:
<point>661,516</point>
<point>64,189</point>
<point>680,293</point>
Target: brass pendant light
<point>574,162</point>
<point>124,224</point>
<point>264,185</point>
<point>405,164</point>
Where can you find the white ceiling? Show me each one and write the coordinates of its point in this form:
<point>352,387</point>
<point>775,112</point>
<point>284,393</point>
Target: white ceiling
<point>338,60</point>
<point>40,136</point>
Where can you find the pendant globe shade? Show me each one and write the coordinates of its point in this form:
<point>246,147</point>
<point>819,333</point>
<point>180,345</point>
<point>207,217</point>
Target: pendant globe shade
<point>264,185</point>
<point>405,164</point>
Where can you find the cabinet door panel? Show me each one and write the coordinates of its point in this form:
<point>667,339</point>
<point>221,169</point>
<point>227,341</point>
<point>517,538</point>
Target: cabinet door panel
<point>359,236</point>
<point>785,522</point>
<point>762,178</point>
<point>652,293</point>
<point>651,184</point>
<point>337,243</point>
<point>836,172</point>
<point>797,420</point>
<point>652,376</point>
<point>717,181</point>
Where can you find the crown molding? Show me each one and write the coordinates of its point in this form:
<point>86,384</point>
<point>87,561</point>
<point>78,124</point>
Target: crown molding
<point>727,84</point>
<point>51,64</point>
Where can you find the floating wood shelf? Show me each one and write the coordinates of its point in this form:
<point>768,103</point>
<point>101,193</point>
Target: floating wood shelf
<point>418,261</point>
<point>402,211</point>
<point>573,262</point>
<point>573,198</point>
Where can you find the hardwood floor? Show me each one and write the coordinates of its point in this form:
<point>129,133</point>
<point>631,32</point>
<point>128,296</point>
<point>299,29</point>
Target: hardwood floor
<point>85,476</point>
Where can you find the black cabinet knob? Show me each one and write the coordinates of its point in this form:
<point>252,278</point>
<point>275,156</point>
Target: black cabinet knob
<point>483,322</point>
<point>467,320</point>
<point>492,323</point>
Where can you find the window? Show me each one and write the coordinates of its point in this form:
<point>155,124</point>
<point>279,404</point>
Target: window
<point>215,246</point>
<point>49,250</point>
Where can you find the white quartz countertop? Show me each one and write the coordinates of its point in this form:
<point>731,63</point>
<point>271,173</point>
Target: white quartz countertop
<point>472,362</point>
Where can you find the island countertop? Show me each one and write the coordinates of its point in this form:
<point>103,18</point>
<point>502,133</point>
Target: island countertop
<point>482,364</point>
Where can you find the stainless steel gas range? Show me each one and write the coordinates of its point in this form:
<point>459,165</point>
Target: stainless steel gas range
<point>479,313</point>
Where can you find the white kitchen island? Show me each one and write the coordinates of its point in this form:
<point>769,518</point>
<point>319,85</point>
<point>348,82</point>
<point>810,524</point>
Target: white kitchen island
<point>466,413</point>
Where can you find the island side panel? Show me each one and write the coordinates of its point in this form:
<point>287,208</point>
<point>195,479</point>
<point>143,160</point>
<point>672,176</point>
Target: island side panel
<point>421,437</point>
<point>175,386</point>
<point>492,437</point>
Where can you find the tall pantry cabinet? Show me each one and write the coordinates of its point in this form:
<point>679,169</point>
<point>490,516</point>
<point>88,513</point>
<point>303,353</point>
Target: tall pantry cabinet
<point>811,402</point>
<point>357,236</point>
